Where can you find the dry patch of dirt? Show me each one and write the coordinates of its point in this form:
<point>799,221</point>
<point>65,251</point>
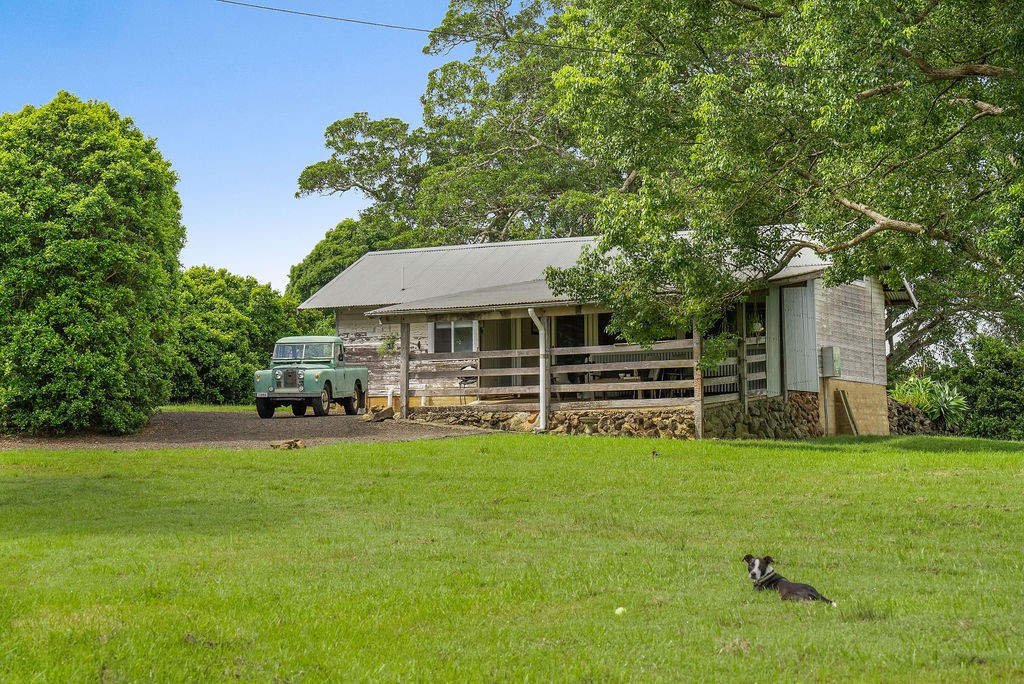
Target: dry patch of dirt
<point>233,430</point>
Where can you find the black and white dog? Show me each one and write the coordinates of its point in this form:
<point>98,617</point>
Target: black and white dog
<point>764,577</point>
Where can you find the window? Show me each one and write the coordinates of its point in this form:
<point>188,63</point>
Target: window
<point>453,336</point>
<point>603,336</point>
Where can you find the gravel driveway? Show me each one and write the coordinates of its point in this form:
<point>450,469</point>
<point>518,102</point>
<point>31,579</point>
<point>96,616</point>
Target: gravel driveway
<point>235,430</point>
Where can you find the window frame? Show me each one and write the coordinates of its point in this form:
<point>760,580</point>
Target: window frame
<point>451,325</point>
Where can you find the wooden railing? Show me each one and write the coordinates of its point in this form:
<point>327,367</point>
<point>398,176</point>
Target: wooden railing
<point>618,375</point>
<point>601,375</point>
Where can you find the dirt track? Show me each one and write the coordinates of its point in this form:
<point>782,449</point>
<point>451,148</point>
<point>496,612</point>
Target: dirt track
<point>234,430</point>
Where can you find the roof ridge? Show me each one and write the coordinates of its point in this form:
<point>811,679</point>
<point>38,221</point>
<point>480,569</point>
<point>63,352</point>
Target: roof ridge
<point>483,245</point>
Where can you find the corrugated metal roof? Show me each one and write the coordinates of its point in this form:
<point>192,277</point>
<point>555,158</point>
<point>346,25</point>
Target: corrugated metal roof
<point>467,277</point>
<point>399,276</point>
<point>515,295</point>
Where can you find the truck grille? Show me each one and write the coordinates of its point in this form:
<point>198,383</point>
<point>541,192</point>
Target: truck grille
<point>289,378</point>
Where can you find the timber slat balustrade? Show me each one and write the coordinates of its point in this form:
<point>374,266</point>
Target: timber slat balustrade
<point>600,387</point>
<point>639,375</point>
<point>668,345</point>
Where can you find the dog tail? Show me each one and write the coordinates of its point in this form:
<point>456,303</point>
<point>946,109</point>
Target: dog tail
<point>827,600</point>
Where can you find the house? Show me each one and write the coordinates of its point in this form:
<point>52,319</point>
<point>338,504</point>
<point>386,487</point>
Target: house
<point>476,329</point>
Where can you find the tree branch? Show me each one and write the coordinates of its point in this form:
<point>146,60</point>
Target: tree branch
<point>882,222</point>
<point>984,108</point>
<point>630,181</point>
<point>955,73</point>
<point>880,90</point>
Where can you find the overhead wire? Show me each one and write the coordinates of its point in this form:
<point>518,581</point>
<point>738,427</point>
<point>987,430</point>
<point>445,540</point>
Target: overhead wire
<point>578,48</point>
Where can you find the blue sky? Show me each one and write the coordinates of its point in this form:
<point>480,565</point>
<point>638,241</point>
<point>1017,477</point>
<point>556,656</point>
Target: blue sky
<point>237,98</point>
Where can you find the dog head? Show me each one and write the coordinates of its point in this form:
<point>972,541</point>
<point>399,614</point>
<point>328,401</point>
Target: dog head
<point>758,568</point>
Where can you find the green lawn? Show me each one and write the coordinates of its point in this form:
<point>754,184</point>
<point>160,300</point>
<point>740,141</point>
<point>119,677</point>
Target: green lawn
<point>209,408</point>
<point>504,558</point>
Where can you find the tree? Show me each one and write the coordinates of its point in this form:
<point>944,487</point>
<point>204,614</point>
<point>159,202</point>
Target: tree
<point>90,233</point>
<point>229,324</point>
<point>492,160</point>
<point>342,246</point>
<point>882,134</point>
<point>988,375</point>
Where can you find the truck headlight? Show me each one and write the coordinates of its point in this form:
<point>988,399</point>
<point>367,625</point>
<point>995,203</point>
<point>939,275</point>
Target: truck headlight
<point>277,374</point>
<point>301,374</point>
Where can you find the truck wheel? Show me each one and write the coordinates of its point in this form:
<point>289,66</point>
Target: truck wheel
<point>264,408</point>
<point>350,404</point>
<point>322,404</point>
<point>299,409</point>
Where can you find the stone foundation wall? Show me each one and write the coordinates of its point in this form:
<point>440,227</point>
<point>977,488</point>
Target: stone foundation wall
<point>768,418</point>
<point>908,420</point>
<point>510,421</point>
<point>674,423</point>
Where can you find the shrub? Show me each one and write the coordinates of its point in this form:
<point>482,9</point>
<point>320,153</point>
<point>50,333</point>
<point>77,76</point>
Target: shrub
<point>90,233</point>
<point>990,377</point>
<point>943,404</point>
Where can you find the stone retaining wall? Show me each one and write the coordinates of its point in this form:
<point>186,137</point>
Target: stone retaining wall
<point>510,421</point>
<point>671,423</point>
<point>767,418</point>
<point>908,420</point>
<point>674,423</point>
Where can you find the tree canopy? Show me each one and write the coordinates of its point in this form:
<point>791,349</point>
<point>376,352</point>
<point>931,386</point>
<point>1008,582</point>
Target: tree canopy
<point>883,134</point>
<point>229,324</point>
<point>492,159</point>
<point>90,234</point>
<point>341,247</point>
<point>702,141</point>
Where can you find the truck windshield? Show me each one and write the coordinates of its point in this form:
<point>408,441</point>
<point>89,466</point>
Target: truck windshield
<point>302,352</point>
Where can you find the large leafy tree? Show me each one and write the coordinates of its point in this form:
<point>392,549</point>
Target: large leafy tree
<point>988,374</point>
<point>492,161</point>
<point>341,247</point>
<point>883,134</point>
<point>90,234</point>
<point>229,324</point>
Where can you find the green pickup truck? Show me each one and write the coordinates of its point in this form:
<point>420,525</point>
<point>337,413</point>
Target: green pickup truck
<point>310,371</point>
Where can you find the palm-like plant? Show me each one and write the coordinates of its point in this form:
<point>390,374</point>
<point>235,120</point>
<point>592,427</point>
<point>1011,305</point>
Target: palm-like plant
<point>939,401</point>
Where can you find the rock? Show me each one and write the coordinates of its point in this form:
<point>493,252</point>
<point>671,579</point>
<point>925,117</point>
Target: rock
<point>385,414</point>
<point>288,444</point>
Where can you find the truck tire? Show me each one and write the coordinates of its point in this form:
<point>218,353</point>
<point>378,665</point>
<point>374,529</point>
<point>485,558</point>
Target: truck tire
<point>322,403</point>
<point>264,408</point>
<point>351,404</point>
<point>299,409</point>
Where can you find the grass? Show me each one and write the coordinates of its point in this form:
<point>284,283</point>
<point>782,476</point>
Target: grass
<point>505,558</point>
<point>208,408</point>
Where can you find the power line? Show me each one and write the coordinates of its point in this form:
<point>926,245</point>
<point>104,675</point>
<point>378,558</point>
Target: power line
<point>436,32</point>
<point>282,10</point>
<point>594,50</point>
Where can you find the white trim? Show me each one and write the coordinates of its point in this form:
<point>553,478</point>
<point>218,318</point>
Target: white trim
<point>462,323</point>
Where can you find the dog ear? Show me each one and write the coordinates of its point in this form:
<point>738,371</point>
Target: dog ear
<point>748,558</point>
<point>769,559</point>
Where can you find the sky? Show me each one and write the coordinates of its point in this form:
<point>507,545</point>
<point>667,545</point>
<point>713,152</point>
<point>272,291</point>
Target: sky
<point>237,98</point>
